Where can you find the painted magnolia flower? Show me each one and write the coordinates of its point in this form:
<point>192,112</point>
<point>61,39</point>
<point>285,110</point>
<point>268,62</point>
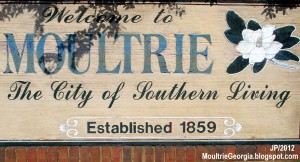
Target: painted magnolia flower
<point>259,44</point>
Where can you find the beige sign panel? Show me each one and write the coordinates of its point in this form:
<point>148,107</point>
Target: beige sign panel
<point>143,72</point>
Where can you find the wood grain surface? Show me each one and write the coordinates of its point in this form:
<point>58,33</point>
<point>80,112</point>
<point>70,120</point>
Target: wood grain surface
<point>40,119</point>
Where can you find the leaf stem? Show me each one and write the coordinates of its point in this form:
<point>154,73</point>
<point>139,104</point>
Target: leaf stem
<point>283,65</point>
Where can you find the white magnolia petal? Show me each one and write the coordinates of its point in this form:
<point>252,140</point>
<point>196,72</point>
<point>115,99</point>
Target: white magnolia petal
<point>256,34</point>
<point>267,30</point>
<point>270,56</point>
<point>257,55</point>
<point>246,55</point>
<point>268,41</point>
<point>247,34</point>
<point>245,47</point>
<point>274,48</point>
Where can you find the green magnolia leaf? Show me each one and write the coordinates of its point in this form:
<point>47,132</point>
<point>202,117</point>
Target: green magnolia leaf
<point>290,42</point>
<point>237,25</point>
<point>237,65</point>
<point>235,22</point>
<point>233,37</point>
<point>253,25</point>
<point>258,66</point>
<point>283,33</point>
<point>286,56</point>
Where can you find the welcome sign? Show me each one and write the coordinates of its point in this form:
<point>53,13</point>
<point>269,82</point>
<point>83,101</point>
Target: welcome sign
<point>143,72</point>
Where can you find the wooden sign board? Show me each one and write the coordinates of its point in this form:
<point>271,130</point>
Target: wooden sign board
<point>148,72</point>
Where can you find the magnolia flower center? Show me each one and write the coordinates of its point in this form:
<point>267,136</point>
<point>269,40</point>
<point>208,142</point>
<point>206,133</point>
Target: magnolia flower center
<point>259,42</point>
